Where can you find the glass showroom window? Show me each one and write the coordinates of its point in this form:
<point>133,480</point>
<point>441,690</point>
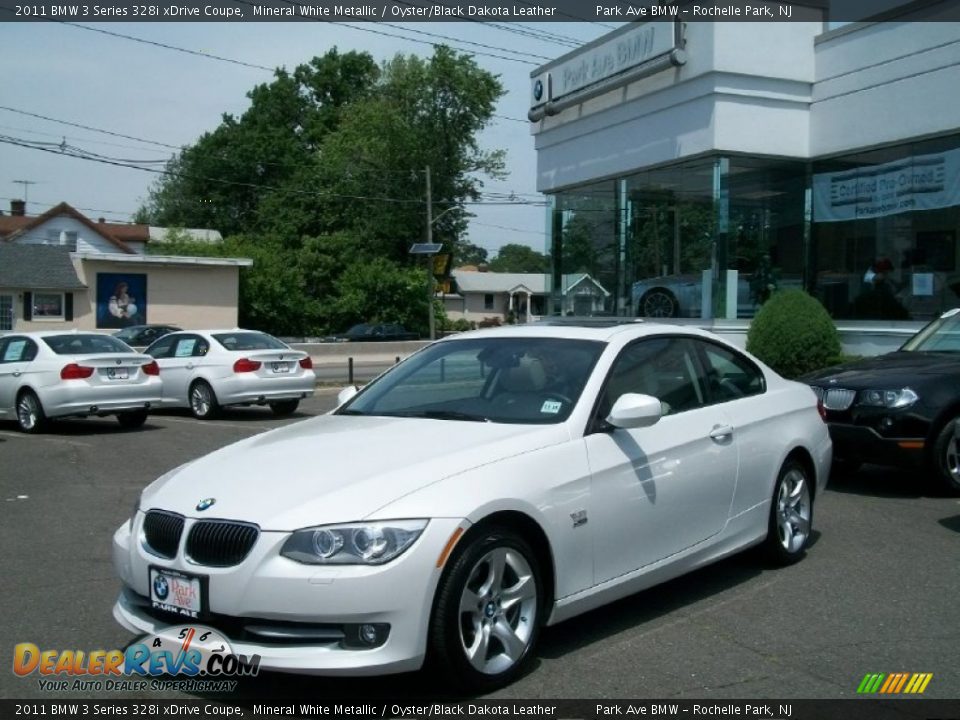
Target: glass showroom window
<point>48,306</point>
<point>885,227</point>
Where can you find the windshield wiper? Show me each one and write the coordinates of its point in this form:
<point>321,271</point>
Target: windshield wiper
<point>441,415</point>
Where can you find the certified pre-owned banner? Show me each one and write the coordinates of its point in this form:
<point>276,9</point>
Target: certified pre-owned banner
<point>922,182</point>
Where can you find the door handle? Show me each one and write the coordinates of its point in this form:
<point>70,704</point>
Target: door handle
<point>189,366</point>
<point>721,433</point>
<point>17,373</point>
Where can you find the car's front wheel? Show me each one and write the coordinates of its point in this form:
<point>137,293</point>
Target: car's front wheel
<point>30,416</point>
<point>282,408</point>
<point>946,458</point>
<point>791,515</point>
<point>203,401</point>
<point>487,615</point>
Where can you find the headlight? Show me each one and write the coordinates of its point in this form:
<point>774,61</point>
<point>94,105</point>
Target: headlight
<point>893,399</point>
<point>373,543</point>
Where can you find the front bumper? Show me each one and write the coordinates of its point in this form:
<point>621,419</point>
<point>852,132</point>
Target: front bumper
<point>266,587</point>
<point>864,444</point>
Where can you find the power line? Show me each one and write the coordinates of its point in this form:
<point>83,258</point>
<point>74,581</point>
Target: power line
<point>77,153</point>
<point>88,127</point>
<point>168,47</point>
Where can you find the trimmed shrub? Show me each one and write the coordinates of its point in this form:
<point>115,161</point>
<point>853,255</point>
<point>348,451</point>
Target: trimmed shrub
<point>794,334</point>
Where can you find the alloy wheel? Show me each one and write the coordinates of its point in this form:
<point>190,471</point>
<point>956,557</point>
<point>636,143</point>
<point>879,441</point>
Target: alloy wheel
<point>201,399</point>
<point>794,511</point>
<point>28,412</point>
<point>498,608</point>
<point>658,304</point>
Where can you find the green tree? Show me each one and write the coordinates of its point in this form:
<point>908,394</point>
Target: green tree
<point>380,291</point>
<point>516,258</point>
<point>325,173</point>
<point>470,254</point>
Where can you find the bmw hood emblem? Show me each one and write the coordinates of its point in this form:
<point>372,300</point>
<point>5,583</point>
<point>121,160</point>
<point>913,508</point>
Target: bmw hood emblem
<point>205,503</point>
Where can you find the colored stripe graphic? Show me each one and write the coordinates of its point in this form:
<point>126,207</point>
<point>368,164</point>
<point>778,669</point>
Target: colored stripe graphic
<point>894,683</point>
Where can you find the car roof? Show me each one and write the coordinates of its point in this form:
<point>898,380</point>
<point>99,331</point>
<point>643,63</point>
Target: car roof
<point>603,330</point>
<point>52,333</point>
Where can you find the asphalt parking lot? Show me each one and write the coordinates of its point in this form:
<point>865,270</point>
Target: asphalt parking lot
<point>877,593</point>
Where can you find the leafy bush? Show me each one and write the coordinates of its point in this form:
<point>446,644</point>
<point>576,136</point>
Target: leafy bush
<point>793,334</point>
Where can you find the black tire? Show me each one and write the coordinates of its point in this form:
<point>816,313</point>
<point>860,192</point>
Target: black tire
<point>282,408</point>
<point>658,303</point>
<point>132,420</point>
<point>203,400</point>
<point>945,461</point>
<point>791,515</point>
<point>30,416</point>
<point>453,629</point>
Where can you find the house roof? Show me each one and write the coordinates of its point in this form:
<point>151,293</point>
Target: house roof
<point>536,283</point>
<point>118,235</point>
<point>40,267</point>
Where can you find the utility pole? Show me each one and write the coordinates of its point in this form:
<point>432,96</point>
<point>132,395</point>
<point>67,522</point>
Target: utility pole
<point>26,184</point>
<point>430,288</point>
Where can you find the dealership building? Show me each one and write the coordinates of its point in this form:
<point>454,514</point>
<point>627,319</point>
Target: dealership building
<point>692,167</point>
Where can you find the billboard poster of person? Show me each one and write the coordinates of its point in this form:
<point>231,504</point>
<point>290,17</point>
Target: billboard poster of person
<point>121,299</point>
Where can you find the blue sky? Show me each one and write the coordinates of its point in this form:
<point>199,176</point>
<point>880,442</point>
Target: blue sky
<point>149,92</point>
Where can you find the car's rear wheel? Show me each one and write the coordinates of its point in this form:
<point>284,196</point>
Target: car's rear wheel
<point>946,459</point>
<point>488,611</point>
<point>658,303</point>
<point>132,420</point>
<point>203,400</point>
<point>30,416</point>
<point>791,515</point>
<point>282,408</point>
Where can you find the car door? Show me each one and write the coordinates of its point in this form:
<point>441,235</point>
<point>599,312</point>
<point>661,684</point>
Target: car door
<point>182,365</point>
<point>659,490</point>
<point>16,356</point>
<point>8,366</point>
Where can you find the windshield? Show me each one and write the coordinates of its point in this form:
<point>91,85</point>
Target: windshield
<point>128,333</point>
<point>942,335</point>
<point>85,344</point>
<point>509,380</point>
<point>249,341</point>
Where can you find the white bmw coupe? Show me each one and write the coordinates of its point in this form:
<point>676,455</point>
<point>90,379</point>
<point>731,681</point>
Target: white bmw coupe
<point>491,484</point>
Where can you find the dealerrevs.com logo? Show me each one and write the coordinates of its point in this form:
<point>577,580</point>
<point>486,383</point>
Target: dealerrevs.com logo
<point>199,654</point>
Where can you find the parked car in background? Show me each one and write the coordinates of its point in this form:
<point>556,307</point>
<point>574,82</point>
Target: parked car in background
<point>144,335</point>
<point>205,370</point>
<point>375,332</point>
<point>901,408</point>
<point>47,375</point>
<point>491,484</point>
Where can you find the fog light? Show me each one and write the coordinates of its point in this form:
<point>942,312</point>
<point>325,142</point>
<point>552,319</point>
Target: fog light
<point>368,634</point>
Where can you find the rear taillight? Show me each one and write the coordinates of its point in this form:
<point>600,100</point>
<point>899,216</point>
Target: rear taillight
<point>245,365</point>
<point>306,363</point>
<point>151,368</point>
<point>822,410</point>
<point>75,372</point>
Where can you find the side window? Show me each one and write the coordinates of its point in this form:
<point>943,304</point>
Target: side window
<point>3,350</point>
<point>730,375</point>
<point>186,346</point>
<point>14,350</point>
<point>663,367</point>
<point>162,348</point>
<point>201,348</point>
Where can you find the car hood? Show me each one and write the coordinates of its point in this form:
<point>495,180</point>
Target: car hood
<point>337,468</point>
<point>888,371</point>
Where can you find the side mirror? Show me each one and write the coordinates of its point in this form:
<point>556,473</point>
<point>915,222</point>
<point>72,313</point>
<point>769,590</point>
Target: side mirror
<point>345,394</point>
<point>632,410</point>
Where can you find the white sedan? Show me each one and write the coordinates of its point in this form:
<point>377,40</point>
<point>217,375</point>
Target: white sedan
<point>491,484</point>
<point>205,370</point>
<point>46,375</point>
